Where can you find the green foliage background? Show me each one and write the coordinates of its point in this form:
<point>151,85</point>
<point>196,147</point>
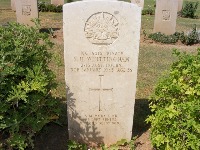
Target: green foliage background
<point>175,122</point>
<point>190,39</point>
<point>189,9</point>
<point>26,103</point>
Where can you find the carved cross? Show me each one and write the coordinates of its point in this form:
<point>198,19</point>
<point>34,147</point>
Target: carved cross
<point>100,89</point>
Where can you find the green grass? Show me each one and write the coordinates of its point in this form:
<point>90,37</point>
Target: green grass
<point>153,61</point>
<point>5,4</point>
<point>151,3</point>
<point>147,23</point>
<point>185,24</point>
<point>7,16</point>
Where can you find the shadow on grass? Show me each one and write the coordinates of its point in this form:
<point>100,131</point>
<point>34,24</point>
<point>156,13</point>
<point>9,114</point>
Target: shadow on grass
<point>141,112</point>
<point>55,136</point>
<point>49,30</point>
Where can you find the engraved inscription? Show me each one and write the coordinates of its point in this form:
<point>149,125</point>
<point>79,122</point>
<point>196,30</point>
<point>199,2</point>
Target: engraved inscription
<point>26,10</point>
<point>102,28</point>
<point>166,15</point>
<point>102,119</point>
<point>101,62</point>
<point>137,1</point>
<point>104,94</point>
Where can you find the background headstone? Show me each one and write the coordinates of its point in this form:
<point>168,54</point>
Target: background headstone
<point>26,10</point>
<point>101,46</point>
<point>180,5</point>
<point>13,5</point>
<point>57,2</point>
<point>140,3</point>
<point>165,16</point>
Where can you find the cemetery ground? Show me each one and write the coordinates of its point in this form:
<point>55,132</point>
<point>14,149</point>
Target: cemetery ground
<point>154,60</point>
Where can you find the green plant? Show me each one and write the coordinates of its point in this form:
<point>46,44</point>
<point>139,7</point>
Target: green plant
<point>160,37</point>
<point>69,1</point>
<point>148,11</point>
<point>123,143</point>
<point>46,7</point>
<point>72,145</point>
<point>189,10</point>
<point>26,82</point>
<point>190,39</point>
<point>175,122</point>
<point>42,6</point>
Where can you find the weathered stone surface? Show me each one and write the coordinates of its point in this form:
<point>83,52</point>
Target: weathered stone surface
<point>101,49</point>
<point>57,2</point>
<point>140,3</point>
<point>26,10</point>
<point>13,5</point>
<point>180,5</point>
<point>165,16</point>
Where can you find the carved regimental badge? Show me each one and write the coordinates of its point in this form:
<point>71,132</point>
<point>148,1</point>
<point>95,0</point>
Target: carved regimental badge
<point>166,15</point>
<point>137,1</point>
<point>26,10</point>
<point>102,28</point>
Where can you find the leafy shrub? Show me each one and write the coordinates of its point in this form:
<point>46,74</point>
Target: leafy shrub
<point>26,103</point>
<point>69,1</point>
<point>122,144</point>
<point>189,39</point>
<point>42,6</point>
<point>175,122</point>
<point>46,7</point>
<point>192,37</point>
<point>159,37</point>
<point>148,11</point>
<point>189,10</point>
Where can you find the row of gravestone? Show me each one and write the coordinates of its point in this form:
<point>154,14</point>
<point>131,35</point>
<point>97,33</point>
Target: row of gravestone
<point>61,2</point>
<point>54,2</point>
<point>101,48</point>
<point>26,10</point>
<point>165,15</point>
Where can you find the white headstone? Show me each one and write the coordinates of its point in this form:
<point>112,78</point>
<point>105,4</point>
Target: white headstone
<point>57,2</point>
<point>101,49</point>
<point>26,10</point>
<point>140,3</point>
<point>165,16</point>
<point>13,5</point>
<point>180,5</point>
